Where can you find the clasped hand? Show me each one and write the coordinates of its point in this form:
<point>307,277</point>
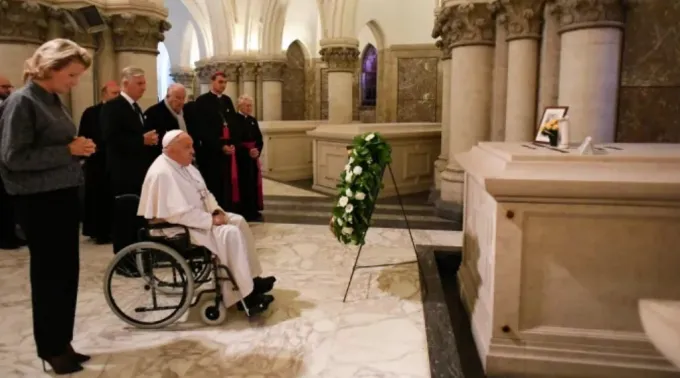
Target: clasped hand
<point>219,219</point>
<point>254,153</point>
<point>151,138</point>
<point>82,146</point>
<point>228,149</point>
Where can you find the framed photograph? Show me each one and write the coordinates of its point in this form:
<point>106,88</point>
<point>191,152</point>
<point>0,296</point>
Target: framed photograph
<point>550,113</point>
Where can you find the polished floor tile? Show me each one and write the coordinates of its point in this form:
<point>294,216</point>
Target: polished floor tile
<point>308,331</point>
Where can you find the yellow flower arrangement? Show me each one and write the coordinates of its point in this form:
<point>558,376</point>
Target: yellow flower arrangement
<point>551,130</point>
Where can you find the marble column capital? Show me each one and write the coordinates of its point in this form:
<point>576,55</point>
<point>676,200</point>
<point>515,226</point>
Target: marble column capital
<point>466,24</point>
<point>521,18</point>
<point>204,72</point>
<point>588,14</point>
<point>229,69</point>
<point>272,70</point>
<point>22,22</point>
<point>137,33</point>
<point>248,71</point>
<point>340,58</point>
<point>183,75</point>
<point>78,36</point>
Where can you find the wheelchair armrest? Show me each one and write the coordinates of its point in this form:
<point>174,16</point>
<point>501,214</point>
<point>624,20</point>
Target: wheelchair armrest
<point>164,225</point>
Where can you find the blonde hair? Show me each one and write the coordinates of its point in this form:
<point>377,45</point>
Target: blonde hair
<point>54,55</point>
<point>129,72</point>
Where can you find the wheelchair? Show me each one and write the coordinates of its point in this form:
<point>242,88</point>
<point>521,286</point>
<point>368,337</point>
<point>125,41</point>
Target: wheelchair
<point>164,268</point>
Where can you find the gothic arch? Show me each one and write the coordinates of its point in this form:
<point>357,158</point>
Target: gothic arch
<point>378,34</point>
<point>369,76</point>
<point>294,82</point>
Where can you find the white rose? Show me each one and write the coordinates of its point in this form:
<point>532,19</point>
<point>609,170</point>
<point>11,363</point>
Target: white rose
<point>360,196</point>
<point>339,221</point>
<point>348,168</point>
<point>349,177</point>
<point>348,218</point>
<point>349,208</point>
<point>351,160</point>
<point>369,137</point>
<point>347,230</point>
<point>348,192</point>
<point>343,201</point>
<point>357,170</point>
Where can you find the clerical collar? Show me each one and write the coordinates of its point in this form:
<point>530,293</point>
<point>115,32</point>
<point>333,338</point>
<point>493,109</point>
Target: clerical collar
<point>216,94</point>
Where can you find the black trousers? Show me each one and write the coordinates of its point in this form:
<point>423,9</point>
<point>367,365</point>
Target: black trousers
<point>51,224</point>
<point>7,219</point>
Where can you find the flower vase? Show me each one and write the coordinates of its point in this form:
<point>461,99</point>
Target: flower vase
<point>554,139</point>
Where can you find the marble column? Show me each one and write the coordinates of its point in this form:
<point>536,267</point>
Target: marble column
<point>590,61</point>
<point>549,71</point>
<point>24,28</point>
<point>440,163</point>
<point>500,81</point>
<point>203,73</point>
<point>231,72</point>
<point>248,74</point>
<point>272,89</point>
<point>184,76</point>
<point>135,40</point>
<point>84,94</point>
<point>522,22</point>
<point>55,29</point>
<point>469,27</point>
<point>342,57</point>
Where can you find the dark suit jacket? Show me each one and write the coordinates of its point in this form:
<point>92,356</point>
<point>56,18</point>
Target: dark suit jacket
<point>159,118</point>
<point>128,158</point>
<point>250,130</point>
<point>90,127</point>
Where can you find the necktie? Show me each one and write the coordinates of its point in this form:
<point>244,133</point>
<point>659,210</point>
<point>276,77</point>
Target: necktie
<point>139,111</point>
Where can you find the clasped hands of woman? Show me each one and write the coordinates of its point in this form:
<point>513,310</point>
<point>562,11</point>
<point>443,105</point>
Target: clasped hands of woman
<point>82,146</point>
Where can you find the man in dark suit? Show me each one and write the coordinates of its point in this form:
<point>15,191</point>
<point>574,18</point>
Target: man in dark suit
<point>211,126</point>
<point>130,148</point>
<point>8,227</point>
<point>129,143</point>
<point>98,204</point>
<point>168,114</point>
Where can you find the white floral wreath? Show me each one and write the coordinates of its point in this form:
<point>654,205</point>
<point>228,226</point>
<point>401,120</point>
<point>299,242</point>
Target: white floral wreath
<point>358,189</point>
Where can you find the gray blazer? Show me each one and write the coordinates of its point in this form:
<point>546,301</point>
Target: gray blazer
<point>35,130</point>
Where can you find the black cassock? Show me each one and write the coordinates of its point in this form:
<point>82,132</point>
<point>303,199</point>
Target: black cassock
<point>98,206</point>
<point>213,125</point>
<point>249,171</point>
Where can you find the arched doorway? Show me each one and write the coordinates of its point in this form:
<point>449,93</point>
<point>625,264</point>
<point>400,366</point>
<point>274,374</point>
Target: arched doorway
<point>369,76</point>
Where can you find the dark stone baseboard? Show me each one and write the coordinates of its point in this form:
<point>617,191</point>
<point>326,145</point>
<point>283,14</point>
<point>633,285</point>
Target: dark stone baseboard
<point>448,210</point>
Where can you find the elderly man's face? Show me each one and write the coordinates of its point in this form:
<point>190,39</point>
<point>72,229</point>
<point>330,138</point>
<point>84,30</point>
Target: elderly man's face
<point>246,107</point>
<point>5,88</point>
<point>176,99</point>
<point>181,150</point>
<point>135,87</point>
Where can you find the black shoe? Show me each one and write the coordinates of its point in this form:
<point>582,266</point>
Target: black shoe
<point>263,285</point>
<point>12,244</point>
<point>63,365</point>
<point>257,303</point>
<point>102,240</point>
<point>78,357</point>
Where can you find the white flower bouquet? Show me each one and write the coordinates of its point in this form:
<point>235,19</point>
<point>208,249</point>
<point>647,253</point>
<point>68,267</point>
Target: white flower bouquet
<point>359,186</point>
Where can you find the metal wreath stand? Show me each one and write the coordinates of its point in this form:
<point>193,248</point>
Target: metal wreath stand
<point>388,166</point>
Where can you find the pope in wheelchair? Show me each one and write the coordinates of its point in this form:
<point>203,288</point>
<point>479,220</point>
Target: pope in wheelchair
<point>188,233</point>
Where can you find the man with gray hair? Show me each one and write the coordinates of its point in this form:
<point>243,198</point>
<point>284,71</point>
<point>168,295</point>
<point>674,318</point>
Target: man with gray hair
<point>130,148</point>
<point>248,150</point>
<point>168,114</point>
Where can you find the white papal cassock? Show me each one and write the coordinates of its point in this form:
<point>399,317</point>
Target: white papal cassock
<point>179,195</point>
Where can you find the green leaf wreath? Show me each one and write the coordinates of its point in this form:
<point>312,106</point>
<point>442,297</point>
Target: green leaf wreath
<point>359,186</point>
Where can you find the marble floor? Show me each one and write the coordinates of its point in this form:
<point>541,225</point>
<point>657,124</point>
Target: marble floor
<point>307,332</point>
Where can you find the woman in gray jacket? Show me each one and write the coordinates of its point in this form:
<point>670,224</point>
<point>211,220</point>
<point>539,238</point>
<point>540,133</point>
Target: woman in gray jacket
<point>39,164</point>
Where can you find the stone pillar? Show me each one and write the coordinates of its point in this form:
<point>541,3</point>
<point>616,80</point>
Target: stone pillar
<point>184,76</point>
<point>341,56</point>
<point>500,81</point>
<point>84,94</point>
<point>522,21</point>
<point>135,40</point>
<point>55,29</point>
<point>23,28</point>
<point>549,71</point>
<point>248,71</point>
<point>272,89</point>
<point>590,61</point>
<point>231,71</point>
<point>440,163</point>
<point>203,73</point>
<point>470,29</point>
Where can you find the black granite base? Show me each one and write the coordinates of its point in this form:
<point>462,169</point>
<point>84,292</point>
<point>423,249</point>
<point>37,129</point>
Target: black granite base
<point>448,210</point>
<point>451,347</point>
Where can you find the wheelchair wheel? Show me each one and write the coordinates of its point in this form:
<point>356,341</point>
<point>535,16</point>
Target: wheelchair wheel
<point>147,267</point>
<point>213,314</point>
